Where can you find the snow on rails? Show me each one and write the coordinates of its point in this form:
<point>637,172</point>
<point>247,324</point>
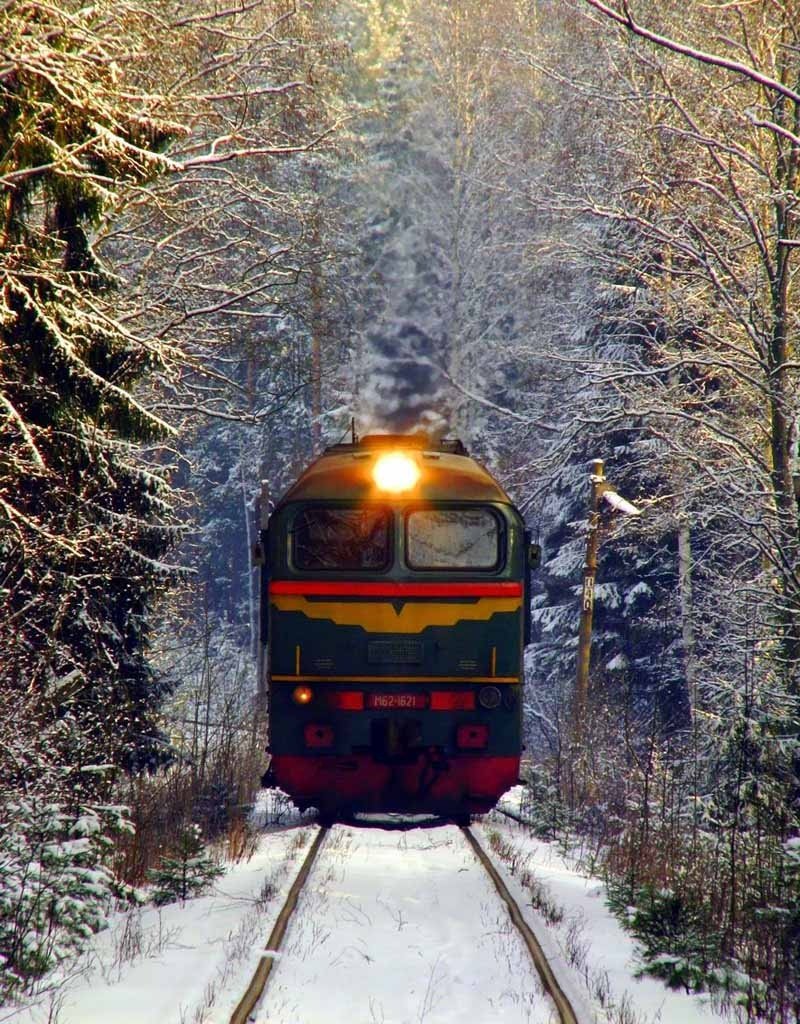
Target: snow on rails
<point>402,924</point>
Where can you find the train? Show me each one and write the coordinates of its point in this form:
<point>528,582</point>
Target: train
<point>395,609</point>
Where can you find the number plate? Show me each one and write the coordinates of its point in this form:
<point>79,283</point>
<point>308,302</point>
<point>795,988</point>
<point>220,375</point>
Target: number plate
<point>400,701</point>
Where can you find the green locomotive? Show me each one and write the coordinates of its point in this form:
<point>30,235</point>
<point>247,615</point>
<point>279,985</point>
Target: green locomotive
<point>394,595</point>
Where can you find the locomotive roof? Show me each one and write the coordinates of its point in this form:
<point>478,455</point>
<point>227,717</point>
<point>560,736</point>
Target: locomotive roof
<point>447,473</point>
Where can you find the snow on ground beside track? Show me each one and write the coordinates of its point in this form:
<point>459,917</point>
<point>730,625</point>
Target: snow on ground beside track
<point>610,950</point>
<point>205,949</point>
<point>397,927</point>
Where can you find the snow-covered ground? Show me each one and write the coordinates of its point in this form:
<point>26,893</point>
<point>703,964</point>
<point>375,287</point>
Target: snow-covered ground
<point>396,926</point>
<point>589,942</point>
<point>183,963</point>
<point>403,926</point>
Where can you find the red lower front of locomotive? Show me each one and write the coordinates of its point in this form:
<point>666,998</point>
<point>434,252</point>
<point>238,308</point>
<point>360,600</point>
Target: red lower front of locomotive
<point>427,783</point>
<point>433,747</point>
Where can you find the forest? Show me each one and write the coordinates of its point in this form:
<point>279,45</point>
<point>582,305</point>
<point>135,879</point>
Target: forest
<point>560,230</point>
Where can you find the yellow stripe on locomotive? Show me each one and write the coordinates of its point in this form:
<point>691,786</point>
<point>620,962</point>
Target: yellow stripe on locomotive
<point>380,617</point>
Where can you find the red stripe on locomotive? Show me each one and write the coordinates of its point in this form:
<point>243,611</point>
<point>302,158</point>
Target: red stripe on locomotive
<point>330,588</point>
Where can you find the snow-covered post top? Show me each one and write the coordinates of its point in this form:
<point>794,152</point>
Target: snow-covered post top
<point>263,506</point>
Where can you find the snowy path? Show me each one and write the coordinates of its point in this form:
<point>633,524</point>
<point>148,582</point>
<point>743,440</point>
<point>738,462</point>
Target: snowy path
<point>396,927</point>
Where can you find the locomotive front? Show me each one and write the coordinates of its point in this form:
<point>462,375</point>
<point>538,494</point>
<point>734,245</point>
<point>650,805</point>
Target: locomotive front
<point>394,591</point>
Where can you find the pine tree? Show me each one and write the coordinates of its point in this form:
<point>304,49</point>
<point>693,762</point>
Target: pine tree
<point>55,884</point>
<point>188,872</point>
<point>85,520</point>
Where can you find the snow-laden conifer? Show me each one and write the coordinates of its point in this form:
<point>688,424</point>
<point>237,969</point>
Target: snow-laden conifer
<point>188,871</point>
<point>56,886</point>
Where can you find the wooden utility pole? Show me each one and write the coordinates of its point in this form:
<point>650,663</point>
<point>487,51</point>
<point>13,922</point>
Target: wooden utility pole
<point>601,490</point>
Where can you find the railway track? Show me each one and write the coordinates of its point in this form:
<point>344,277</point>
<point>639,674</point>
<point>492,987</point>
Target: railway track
<point>247,1006</point>
<point>258,982</point>
<point>548,979</point>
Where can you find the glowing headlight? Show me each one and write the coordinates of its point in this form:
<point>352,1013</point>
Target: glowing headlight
<point>395,472</point>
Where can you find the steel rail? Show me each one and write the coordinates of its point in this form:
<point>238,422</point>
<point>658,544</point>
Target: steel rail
<point>259,980</point>
<point>549,981</point>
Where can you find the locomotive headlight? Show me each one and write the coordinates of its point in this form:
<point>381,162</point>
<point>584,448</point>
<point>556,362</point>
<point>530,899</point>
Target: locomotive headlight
<point>395,472</point>
<point>302,694</point>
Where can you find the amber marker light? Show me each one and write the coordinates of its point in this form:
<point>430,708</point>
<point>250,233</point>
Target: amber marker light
<point>395,472</point>
<point>302,695</point>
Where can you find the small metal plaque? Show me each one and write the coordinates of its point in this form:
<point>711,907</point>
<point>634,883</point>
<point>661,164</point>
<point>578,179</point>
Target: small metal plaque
<point>394,652</point>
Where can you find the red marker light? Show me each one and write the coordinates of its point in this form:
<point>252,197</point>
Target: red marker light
<point>346,700</point>
<point>446,700</point>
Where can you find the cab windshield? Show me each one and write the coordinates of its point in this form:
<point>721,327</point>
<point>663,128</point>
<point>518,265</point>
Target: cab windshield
<point>331,537</point>
<point>458,538</point>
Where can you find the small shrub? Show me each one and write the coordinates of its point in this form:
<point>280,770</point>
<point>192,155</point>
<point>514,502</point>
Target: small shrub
<point>515,860</point>
<point>55,888</point>
<point>241,840</point>
<point>677,942</point>
<point>543,807</point>
<point>190,872</point>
